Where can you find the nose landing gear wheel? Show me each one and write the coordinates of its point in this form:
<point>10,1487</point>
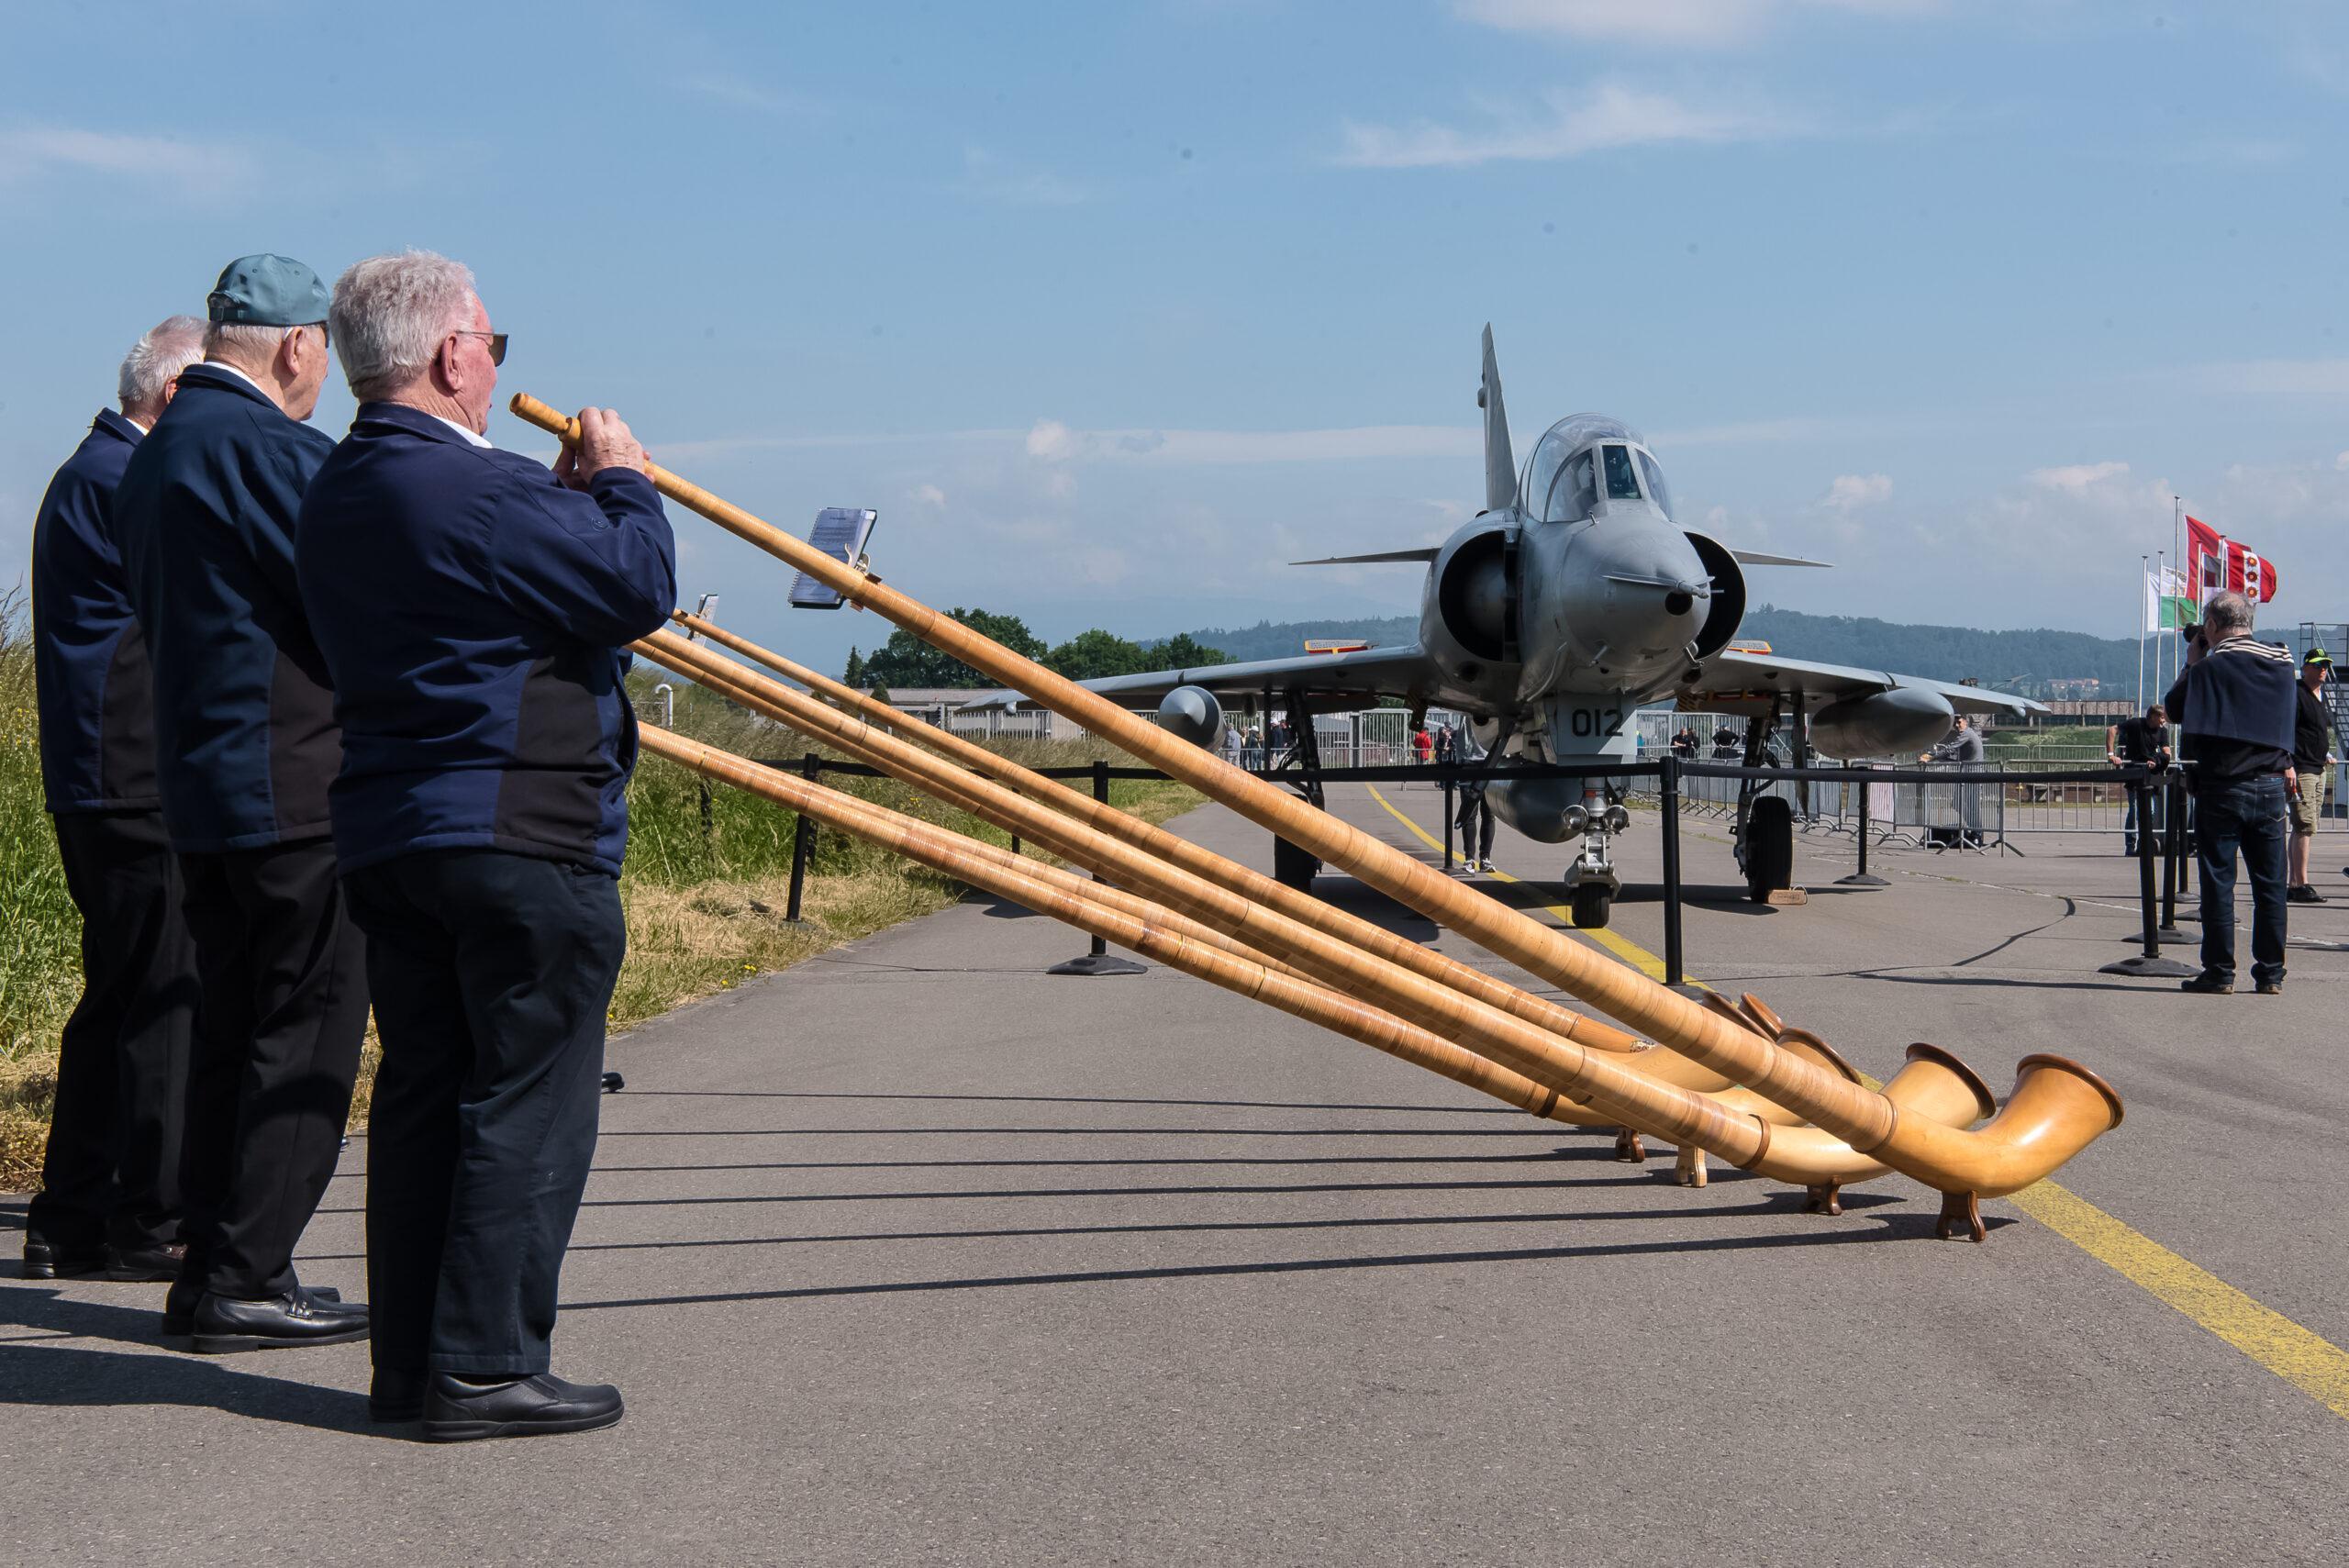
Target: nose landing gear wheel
<point>1592,904</point>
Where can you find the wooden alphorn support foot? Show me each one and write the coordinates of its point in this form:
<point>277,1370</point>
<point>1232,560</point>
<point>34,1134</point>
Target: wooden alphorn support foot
<point>1825,1197</point>
<point>1961,1209</point>
<point>1689,1169</point>
<point>1629,1149</point>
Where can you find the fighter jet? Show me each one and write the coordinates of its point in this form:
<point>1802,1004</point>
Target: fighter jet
<point>1573,598</point>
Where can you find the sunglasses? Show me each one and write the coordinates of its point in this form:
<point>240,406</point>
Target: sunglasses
<point>496,343</point>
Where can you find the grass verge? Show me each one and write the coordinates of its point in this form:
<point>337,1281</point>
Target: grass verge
<point>706,888</point>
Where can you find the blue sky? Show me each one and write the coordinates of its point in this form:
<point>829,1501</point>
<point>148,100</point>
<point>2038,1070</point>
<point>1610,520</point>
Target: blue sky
<point>1111,310</point>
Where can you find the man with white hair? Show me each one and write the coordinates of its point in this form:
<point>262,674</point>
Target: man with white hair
<point>2235,705</point>
<point>109,1203</point>
<point>245,747</point>
<point>471,605</point>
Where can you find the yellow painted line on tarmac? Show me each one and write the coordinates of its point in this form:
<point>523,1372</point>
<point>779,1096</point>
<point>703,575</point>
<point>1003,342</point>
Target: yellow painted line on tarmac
<point>2300,1356</point>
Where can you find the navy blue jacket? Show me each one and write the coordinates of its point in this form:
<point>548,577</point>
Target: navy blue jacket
<point>471,607</point>
<point>2235,710</point>
<point>90,676</point>
<point>245,742</point>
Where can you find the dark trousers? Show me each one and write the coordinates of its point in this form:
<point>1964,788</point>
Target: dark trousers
<point>1472,807</point>
<point>112,1172</point>
<point>2248,814</point>
<point>276,1048</point>
<point>492,973</point>
<point>2157,814</point>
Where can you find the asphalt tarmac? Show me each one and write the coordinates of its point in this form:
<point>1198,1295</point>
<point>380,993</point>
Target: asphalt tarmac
<point>916,1254</point>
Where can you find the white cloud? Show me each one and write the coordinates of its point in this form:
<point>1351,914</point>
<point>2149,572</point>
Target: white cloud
<point>1852,491</point>
<point>1612,116</point>
<point>990,178</point>
<point>194,168</point>
<point>2280,378</point>
<point>1701,22</point>
<point>928,496</point>
<point>2075,478</point>
<point>737,92</point>
<point>1053,441</point>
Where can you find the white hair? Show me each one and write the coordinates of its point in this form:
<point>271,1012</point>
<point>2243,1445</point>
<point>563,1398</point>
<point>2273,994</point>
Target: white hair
<point>2229,611</point>
<point>161,352</point>
<point>248,344</point>
<point>391,315</point>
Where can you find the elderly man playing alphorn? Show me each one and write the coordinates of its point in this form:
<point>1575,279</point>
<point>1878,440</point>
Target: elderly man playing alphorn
<point>470,604</point>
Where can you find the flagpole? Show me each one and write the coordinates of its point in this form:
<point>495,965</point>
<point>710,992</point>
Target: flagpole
<point>2153,586</point>
<point>2193,587</point>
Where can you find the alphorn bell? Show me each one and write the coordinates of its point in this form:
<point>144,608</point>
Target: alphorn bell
<point>1927,1088</point>
<point>2068,1107</point>
<point>1595,1078</point>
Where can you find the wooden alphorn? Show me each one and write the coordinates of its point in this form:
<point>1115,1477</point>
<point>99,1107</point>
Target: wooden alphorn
<point>2011,1152</point>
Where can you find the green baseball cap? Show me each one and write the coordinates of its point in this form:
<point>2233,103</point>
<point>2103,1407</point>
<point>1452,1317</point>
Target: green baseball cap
<point>268,291</point>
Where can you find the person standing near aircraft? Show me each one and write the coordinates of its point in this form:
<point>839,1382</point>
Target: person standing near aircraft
<point>2235,706</point>
<point>2139,742</point>
<point>109,1202</point>
<point>2312,762</point>
<point>473,605</point>
<point>1475,815</point>
<point>245,746</point>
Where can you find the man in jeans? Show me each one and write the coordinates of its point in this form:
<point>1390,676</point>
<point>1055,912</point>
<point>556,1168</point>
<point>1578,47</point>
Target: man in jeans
<point>2235,703</point>
<point>2139,742</point>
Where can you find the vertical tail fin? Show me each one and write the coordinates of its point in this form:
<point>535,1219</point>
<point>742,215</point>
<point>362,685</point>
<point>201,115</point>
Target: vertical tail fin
<point>1500,466</point>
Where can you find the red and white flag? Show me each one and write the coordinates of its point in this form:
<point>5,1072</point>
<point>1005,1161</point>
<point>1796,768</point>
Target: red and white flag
<point>2254,577</point>
<point>2216,564</point>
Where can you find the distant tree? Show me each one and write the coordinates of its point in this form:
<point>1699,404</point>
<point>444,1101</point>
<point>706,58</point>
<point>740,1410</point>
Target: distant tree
<point>1184,652</point>
<point>1091,655</point>
<point>854,674</point>
<point>907,661</point>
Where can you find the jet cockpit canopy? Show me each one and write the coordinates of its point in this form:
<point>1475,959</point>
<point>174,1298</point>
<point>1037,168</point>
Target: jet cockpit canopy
<point>1581,458</point>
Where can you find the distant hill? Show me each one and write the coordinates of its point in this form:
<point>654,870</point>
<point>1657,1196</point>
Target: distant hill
<point>2025,661</point>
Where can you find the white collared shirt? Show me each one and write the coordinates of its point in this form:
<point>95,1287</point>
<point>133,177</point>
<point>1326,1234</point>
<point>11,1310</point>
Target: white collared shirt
<point>477,439</point>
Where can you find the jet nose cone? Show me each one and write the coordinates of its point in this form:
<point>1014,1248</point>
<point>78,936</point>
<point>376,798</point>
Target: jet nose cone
<point>1635,598</point>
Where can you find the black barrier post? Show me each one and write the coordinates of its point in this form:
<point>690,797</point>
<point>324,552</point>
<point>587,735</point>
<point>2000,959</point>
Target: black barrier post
<point>1448,785</point>
<point>1861,877</point>
<point>2149,963</point>
<point>1668,789</point>
<point>1098,960</point>
<point>2173,854</point>
<point>803,845</point>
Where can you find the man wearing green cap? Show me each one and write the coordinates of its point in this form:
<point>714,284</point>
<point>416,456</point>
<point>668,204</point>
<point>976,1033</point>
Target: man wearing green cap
<point>245,748</point>
<point>2312,762</point>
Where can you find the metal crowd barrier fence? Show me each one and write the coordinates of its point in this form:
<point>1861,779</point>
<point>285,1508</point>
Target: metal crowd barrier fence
<point>1864,797</point>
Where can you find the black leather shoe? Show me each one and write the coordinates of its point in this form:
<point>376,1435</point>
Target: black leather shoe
<point>146,1265</point>
<point>2301,892</point>
<point>179,1307</point>
<point>2207,985</point>
<point>223,1324</point>
<point>396,1395</point>
<point>457,1412</point>
<point>45,1258</point>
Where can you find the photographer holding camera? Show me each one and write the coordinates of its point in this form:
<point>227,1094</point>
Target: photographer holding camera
<point>2236,704</point>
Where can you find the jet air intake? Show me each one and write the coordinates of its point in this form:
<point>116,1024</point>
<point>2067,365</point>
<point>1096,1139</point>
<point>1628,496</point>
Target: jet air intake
<point>1726,610</point>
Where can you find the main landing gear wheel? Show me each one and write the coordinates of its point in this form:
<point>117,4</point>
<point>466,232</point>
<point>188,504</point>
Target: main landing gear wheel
<point>1770,846</point>
<point>1293,867</point>
<point>1592,904</point>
